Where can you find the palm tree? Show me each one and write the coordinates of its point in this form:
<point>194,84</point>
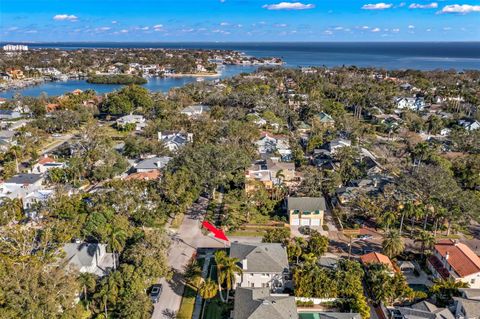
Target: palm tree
<point>388,218</point>
<point>393,244</point>
<point>426,239</point>
<point>192,271</point>
<point>88,282</point>
<point>445,289</point>
<point>208,289</point>
<point>226,269</point>
<point>117,239</point>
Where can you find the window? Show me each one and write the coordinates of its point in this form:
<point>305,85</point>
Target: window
<point>472,281</point>
<point>253,285</point>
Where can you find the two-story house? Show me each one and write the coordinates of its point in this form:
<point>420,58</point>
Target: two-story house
<point>45,164</point>
<point>175,140</point>
<point>467,306</point>
<point>260,303</point>
<point>455,260</point>
<point>264,265</point>
<point>306,211</point>
<point>420,310</point>
<point>138,121</point>
<point>20,185</point>
<point>270,144</point>
<point>269,172</point>
<point>89,257</point>
<point>196,110</point>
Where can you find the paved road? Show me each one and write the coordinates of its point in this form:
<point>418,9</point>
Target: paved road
<point>184,244</point>
<point>58,141</point>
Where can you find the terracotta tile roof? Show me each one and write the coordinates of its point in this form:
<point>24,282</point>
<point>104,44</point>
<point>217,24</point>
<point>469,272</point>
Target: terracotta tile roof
<point>461,258</point>
<point>144,176</point>
<point>377,258</point>
<point>46,160</point>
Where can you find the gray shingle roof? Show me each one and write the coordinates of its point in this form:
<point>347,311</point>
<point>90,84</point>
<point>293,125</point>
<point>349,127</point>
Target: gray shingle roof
<point>258,303</point>
<point>306,204</point>
<point>154,163</point>
<point>471,308</point>
<point>80,254</point>
<point>426,310</point>
<point>261,257</point>
<point>24,179</point>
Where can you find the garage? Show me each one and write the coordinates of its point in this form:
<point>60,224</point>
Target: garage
<point>315,222</point>
<point>295,222</point>
<point>305,221</point>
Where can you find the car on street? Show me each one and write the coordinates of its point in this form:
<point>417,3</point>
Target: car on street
<point>365,237</point>
<point>155,292</point>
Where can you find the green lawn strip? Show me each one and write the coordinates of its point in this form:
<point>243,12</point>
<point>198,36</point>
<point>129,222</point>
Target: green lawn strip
<point>188,303</point>
<point>246,233</point>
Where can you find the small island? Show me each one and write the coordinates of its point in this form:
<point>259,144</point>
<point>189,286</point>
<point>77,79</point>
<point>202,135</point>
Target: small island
<point>116,79</point>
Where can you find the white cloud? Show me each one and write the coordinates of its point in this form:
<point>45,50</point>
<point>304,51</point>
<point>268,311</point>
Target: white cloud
<point>224,24</point>
<point>338,28</point>
<point>447,28</point>
<point>114,22</point>
<point>460,8</point>
<point>432,5</point>
<point>411,26</point>
<point>124,31</point>
<point>13,28</point>
<point>280,25</point>
<point>376,30</point>
<point>144,28</point>
<point>65,17</point>
<point>31,31</point>
<point>396,30</point>
<point>428,30</point>
<point>288,6</point>
<point>377,6</point>
<point>328,32</point>
<point>158,26</point>
<point>102,29</point>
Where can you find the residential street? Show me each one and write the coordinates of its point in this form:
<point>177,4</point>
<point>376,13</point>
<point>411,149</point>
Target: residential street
<point>184,244</point>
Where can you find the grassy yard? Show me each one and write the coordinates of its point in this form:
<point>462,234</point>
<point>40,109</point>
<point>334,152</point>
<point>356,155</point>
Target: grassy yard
<point>188,303</point>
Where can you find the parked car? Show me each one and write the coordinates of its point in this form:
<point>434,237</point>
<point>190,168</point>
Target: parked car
<point>365,237</point>
<point>155,292</point>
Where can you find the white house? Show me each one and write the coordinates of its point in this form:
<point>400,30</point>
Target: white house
<point>195,110</point>
<point>45,164</point>
<point>269,144</point>
<point>152,163</point>
<point>175,140</point>
<point>20,185</point>
<point>263,265</point>
<point>453,260</point>
<point>138,120</point>
<point>469,125</point>
<point>411,103</point>
<point>338,143</point>
<point>89,258</point>
<point>9,115</point>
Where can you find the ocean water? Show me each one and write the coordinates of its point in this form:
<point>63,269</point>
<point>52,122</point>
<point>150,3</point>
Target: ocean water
<point>386,55</point>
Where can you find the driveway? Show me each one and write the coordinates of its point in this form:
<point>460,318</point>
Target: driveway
<point>185,242</point>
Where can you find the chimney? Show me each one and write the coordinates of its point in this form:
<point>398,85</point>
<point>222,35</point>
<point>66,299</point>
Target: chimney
<point>159,136</point>
<point>244,264</point>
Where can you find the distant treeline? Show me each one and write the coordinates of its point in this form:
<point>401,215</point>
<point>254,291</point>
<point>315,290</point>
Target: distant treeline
<point>116,79</point>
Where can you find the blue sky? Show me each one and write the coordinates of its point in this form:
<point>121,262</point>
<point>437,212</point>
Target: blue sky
<point>239,20</point>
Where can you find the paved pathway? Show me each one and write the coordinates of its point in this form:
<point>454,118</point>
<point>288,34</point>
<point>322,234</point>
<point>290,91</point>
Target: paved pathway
<point>185,242</point>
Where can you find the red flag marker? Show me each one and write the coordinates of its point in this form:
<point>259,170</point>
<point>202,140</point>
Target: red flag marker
<point>217,233</point>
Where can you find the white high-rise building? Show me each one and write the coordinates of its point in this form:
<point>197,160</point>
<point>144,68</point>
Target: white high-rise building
<point>15,47</point>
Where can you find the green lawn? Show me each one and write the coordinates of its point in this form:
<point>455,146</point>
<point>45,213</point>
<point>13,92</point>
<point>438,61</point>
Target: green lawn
<point>188,303</point>
<point>213,310</point>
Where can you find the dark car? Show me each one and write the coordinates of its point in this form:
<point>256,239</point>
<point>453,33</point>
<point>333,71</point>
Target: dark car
<point>155,293</point>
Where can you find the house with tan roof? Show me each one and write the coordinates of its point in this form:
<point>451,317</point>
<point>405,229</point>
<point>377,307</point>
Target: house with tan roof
<point>456,261</point>
<point>377,258</point>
